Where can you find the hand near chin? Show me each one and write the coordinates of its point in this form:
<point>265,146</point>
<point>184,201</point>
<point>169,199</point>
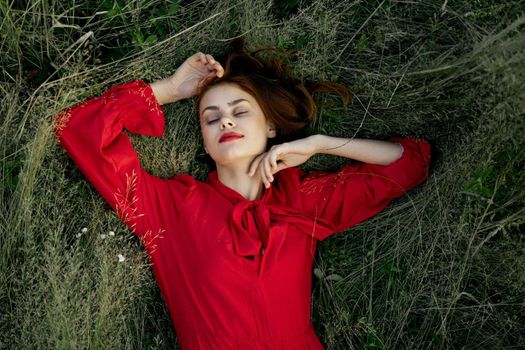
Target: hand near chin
<point>282,156</point>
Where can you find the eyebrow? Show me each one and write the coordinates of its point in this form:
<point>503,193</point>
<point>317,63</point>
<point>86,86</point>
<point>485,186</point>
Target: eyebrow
<point>232,103</point>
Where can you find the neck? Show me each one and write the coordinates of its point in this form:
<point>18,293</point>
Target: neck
<point>236,177</point>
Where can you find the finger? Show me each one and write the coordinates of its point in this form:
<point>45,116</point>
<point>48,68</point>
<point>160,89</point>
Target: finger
<point>254,165</point>
<point>284,165</point>
<point>264,179</point>
<point>215,66</point>
<point>219,69</point>
<point>281,165</point>
<point>200,56</point>
<point>266,171</point>
<point>273,161</point>
<point>210,58</point>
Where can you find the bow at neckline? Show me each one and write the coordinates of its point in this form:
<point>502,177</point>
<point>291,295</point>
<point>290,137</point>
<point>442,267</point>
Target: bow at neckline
<point>250,224</point>
<point>250,221</point>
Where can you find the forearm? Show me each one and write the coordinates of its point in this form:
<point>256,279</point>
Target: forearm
<point>367,151</point>
<point>93,135</point>
<point>164,91</point>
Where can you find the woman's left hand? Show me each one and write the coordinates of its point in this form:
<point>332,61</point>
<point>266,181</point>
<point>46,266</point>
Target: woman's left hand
<point>283,156</point>
<point>188,78</point>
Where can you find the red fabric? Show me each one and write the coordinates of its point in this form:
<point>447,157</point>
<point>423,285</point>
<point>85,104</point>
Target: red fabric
<point>235,274</point>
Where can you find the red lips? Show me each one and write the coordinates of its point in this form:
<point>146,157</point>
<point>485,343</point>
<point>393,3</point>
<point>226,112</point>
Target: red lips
<point>230,136</point>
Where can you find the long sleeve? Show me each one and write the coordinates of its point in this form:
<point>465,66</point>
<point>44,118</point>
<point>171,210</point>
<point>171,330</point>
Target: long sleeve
<point>93,135</point>
<point>358,191</point>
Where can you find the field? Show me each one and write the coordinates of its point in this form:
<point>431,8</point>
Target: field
<point>441,268</point>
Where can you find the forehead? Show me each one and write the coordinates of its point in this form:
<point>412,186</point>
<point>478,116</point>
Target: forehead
<point>221,94</point>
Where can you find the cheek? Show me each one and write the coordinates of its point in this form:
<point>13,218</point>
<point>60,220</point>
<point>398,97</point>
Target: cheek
<point>205,135</point>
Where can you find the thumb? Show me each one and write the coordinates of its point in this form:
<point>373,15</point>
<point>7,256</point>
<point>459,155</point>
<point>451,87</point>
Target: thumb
<point>281,165</point>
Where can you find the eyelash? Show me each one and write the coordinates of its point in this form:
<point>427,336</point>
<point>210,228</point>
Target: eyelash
<point>236,115</point>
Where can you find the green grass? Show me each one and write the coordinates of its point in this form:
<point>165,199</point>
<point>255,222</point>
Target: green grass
<point>441,268</point>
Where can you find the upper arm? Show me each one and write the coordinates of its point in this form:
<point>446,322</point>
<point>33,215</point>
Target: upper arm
<point>92,134</point>
<point>358,191</point>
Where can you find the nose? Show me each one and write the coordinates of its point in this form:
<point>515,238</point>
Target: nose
<point>226,123</point>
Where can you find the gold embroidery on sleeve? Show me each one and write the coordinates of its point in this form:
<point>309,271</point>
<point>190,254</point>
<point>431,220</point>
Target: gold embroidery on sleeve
<point>60,123</point>
<point>318,182</point>
<point>126,202</point>
<point>126,208</point>
<point>109,97</point>
<point>149,240</point>
<point>150,100</point>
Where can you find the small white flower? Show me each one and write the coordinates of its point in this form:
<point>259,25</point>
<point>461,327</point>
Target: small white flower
<point>78,235</point>
<point>102,235</point>
<point>111,233</point>
<point>121,258</point>
<point>84,230</point>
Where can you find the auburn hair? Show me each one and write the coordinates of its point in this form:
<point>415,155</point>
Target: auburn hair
<point>285,101</point>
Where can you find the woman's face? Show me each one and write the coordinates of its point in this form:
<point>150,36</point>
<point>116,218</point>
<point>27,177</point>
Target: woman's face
<point>233,125</point>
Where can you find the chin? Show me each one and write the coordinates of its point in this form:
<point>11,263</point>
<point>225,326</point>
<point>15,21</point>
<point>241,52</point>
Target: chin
<point>234,157</point>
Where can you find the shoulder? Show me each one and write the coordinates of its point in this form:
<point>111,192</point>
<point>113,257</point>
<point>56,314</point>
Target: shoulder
<point>185,179</point>
<point>182,184</point>
<point>287,185</point>
<point>290,175</point>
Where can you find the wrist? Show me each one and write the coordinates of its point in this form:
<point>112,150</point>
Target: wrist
<point>164,91</point>
<point>319,142</point>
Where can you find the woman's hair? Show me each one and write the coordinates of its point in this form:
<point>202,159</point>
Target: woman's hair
<point>284,100</point>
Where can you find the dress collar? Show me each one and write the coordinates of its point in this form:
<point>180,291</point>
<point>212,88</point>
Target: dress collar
<point>250,221</point>
<point>233,196</point>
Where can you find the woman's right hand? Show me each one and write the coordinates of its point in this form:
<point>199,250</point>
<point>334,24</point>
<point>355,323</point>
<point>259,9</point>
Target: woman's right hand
<point>188,78</point>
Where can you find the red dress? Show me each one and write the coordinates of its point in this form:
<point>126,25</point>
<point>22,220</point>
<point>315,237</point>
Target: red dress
<point>234,273</point>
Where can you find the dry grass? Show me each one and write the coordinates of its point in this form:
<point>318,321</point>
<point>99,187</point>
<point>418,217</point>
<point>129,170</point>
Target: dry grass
<point>442,268</point>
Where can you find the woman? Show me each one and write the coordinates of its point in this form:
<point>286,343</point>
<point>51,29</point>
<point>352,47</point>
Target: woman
<point>233,255</point>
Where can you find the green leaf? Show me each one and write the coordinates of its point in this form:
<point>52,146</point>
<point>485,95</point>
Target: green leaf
<point>373,342</point>
<point>138,37</point>
<point>106,5</point>
<point>150,40</point>
<point>112,13</point>
<point>11,170</point>
<point>334,277</point>
<point>362,45</point>
<point>174,8</point>
<point>479,183</point>
<point>173,23</point>
<point>390,269</point>
<point>380,38</point>
<point>300,41</point>
<point>437,339</point>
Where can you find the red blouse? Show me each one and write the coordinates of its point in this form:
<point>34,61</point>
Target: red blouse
<point>234,273</point>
